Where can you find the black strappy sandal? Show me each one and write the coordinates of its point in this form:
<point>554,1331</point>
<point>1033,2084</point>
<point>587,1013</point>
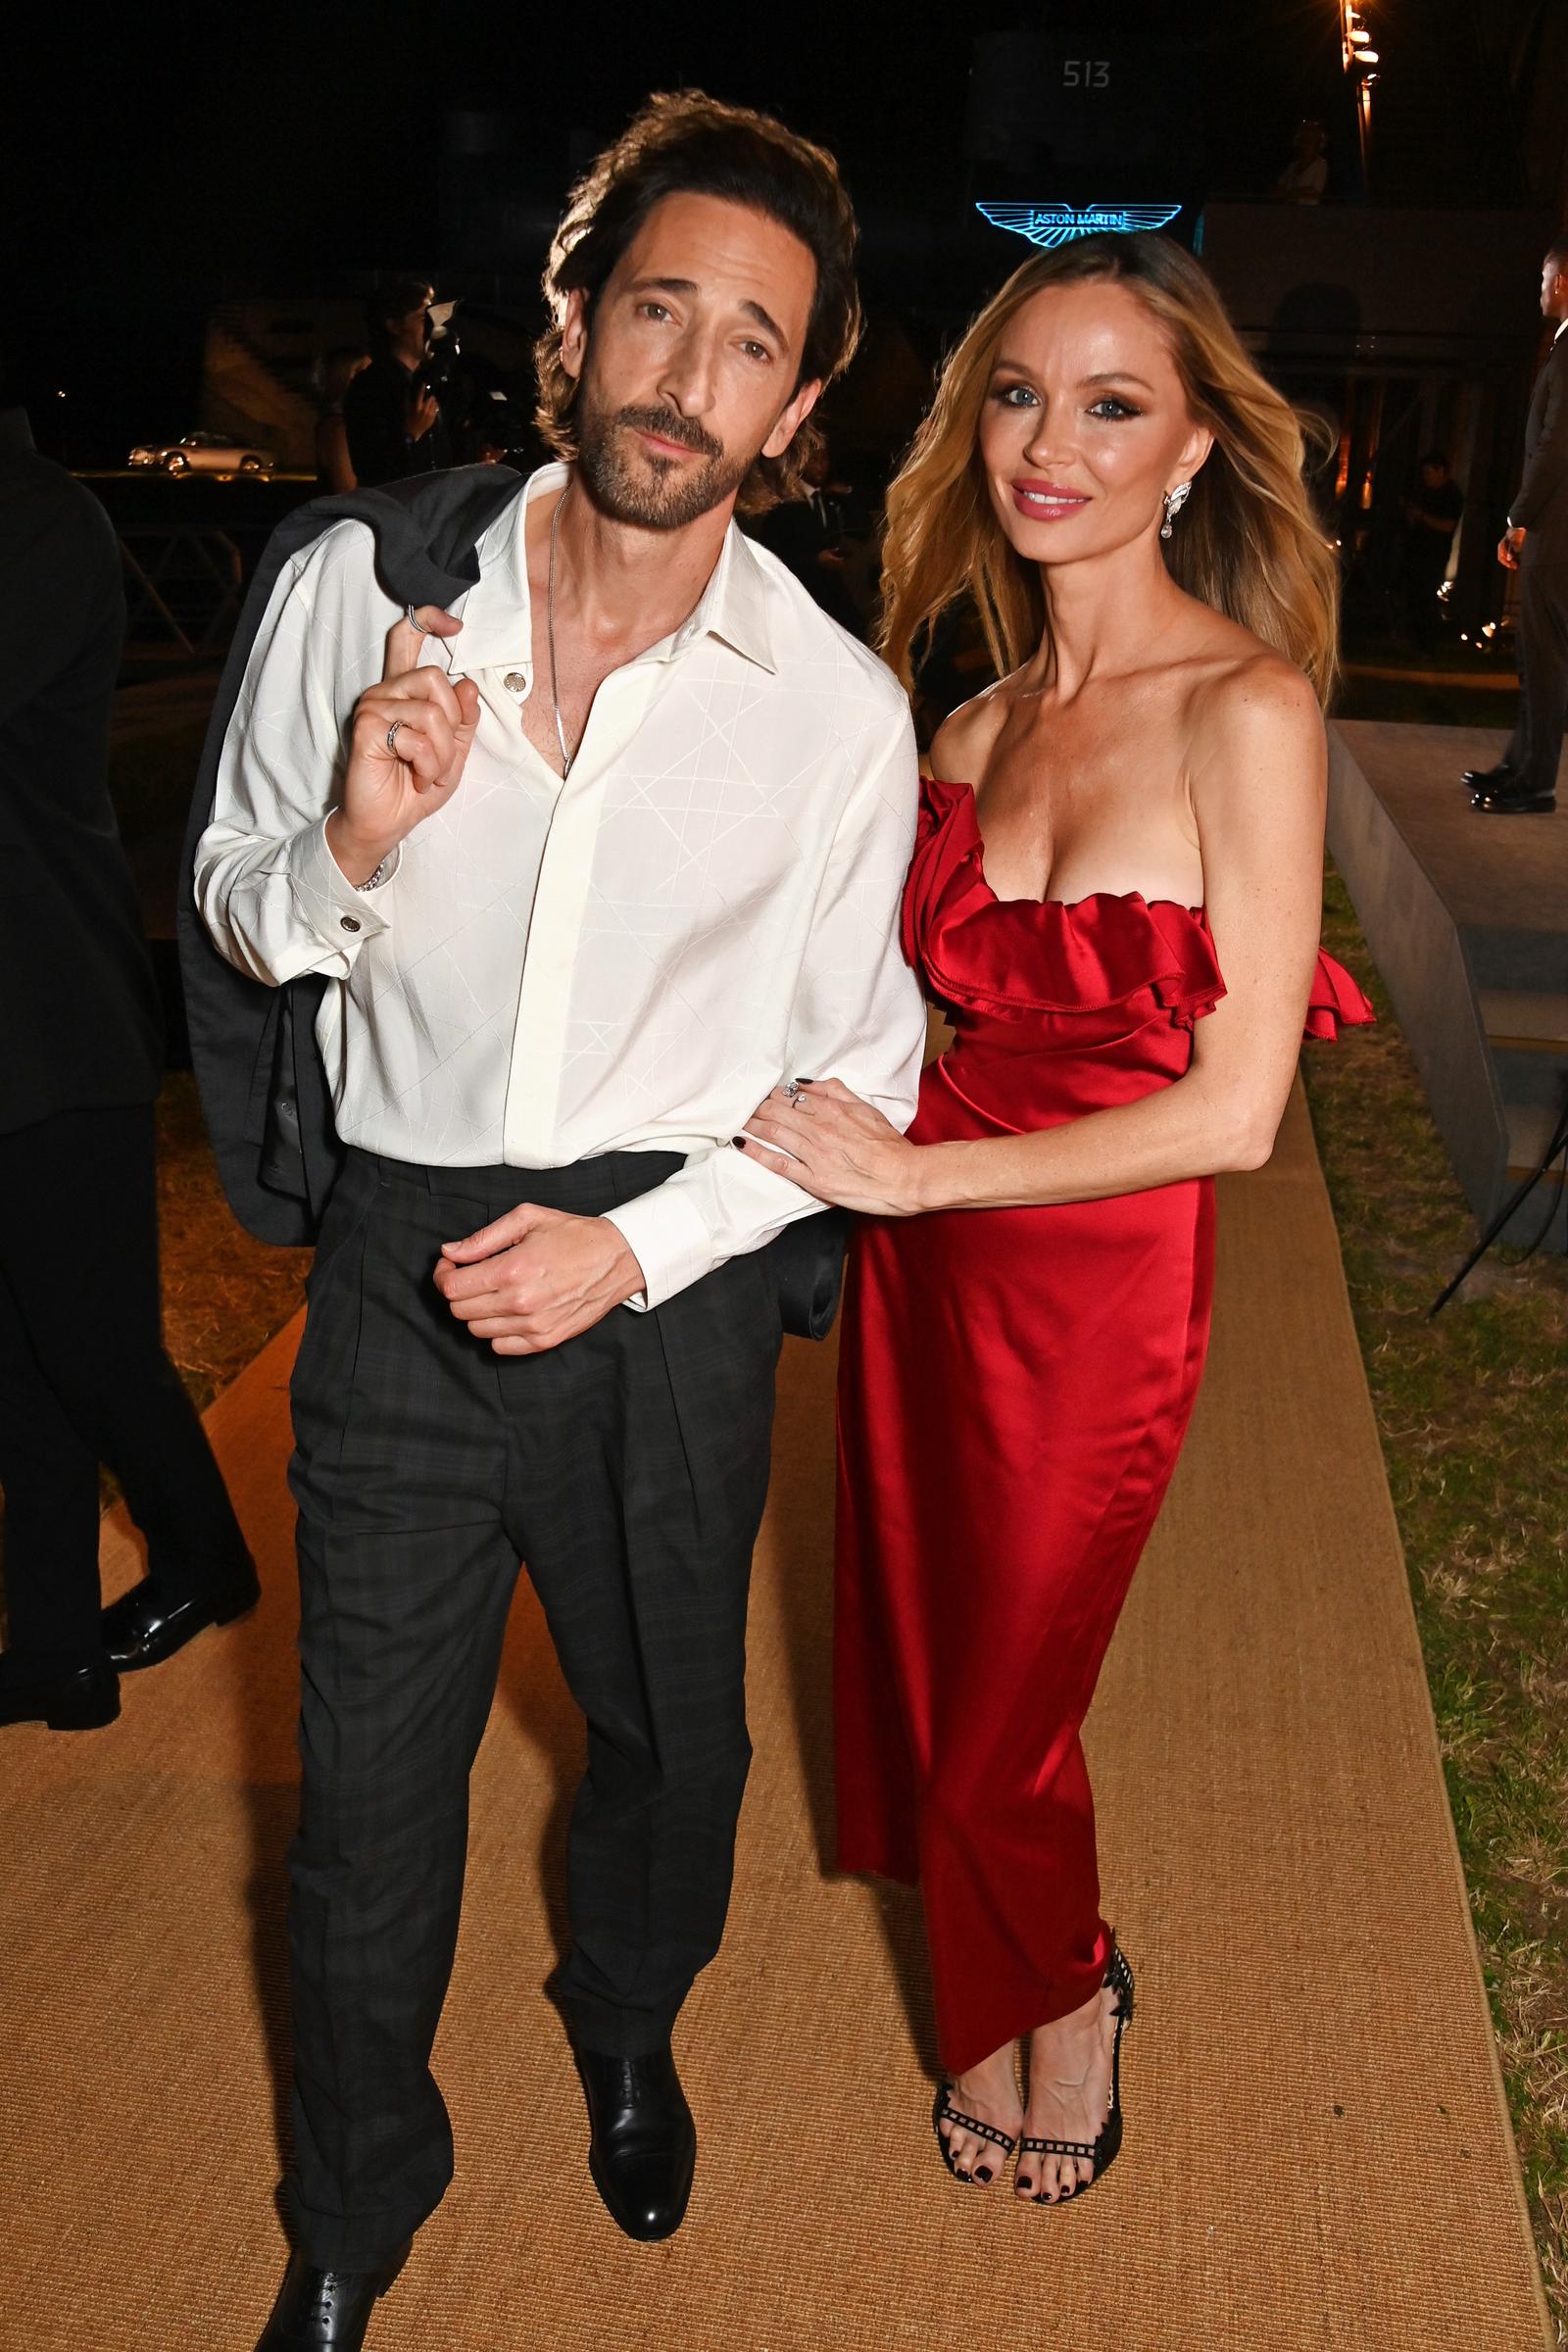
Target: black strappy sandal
<point>941,2112</point>
<point>1106,2147</point>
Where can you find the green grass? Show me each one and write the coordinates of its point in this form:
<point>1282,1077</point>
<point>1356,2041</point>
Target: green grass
<point>1453,704</point>
<point>1470,1412</point>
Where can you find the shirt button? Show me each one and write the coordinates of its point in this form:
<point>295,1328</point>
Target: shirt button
<point>514,681</point>
<point>348,922</point>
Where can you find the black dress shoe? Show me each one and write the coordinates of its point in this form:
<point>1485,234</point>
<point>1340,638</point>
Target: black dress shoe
<point>82,1700</point>
<point>1486,779</point>
<point>327,2311</point>
<point>1505,800</point>
<point>643,2151</point>
<point>142,1628</point>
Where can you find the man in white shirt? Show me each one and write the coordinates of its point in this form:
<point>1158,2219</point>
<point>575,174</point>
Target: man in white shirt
<point>592,863</point>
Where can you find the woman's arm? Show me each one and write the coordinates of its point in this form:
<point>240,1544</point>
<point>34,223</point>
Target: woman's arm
<point>1258,782</point>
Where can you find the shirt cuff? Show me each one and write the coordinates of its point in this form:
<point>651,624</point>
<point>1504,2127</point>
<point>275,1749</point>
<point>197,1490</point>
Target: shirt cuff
<point>340,915</point>
<point>668,1239</point>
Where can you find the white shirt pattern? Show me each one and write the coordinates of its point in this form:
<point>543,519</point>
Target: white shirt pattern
<point>624,961</point>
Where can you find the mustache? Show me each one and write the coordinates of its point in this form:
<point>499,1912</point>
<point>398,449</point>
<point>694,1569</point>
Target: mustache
<point>670,427</point>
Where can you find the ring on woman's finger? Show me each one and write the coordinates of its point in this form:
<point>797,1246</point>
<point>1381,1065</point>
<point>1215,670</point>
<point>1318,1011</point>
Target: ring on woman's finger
<point>392,735</point>
<point>417,627</point>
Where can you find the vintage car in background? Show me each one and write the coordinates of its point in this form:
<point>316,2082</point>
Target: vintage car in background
<point>203,453</point>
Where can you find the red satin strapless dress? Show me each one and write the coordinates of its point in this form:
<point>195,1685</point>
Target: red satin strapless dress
<point>1014,1387</point>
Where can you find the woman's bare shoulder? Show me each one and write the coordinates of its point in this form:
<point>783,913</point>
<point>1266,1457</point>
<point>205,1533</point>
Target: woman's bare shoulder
<point>1250,704</point>
<point>963,744</point>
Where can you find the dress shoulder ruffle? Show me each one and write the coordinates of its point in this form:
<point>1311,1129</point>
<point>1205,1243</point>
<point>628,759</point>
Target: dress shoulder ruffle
<point>1337,1002</point>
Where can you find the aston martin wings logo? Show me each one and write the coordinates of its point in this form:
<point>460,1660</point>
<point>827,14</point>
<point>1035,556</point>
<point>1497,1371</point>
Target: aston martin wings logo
<point>1059,224</point>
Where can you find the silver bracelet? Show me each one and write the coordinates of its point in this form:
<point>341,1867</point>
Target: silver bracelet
<point>375,881</point>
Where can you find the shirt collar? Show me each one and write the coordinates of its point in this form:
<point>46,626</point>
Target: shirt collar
<point>733,605</point>
<point>497,624</point>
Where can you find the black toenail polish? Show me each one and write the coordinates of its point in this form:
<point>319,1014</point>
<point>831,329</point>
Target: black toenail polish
<point>982,2172</point>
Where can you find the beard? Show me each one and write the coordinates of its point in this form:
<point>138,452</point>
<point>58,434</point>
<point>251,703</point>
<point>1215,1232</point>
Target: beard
<point>630,484</point>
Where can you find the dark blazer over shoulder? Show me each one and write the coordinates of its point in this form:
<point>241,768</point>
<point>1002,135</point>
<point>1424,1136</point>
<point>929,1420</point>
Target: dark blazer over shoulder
<point>263,1086</point>
<point>81,1026</point>
<point>1540,508</point>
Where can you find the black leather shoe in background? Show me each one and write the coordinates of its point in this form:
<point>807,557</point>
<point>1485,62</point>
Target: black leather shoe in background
<point>142,1628</point>
<point>643,2151</point>
<point>327,2311</point>
<point>1505,800</point>
<point>1486,779</point>
<point>82,1699</point>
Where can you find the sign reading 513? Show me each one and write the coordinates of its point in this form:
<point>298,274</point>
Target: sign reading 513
<point>1086,73</point>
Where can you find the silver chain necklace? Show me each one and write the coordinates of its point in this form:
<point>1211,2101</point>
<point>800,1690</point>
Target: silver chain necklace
<point>566,756</point>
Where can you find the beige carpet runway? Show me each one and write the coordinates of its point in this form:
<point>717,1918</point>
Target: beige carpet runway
<point>1317,2153</point>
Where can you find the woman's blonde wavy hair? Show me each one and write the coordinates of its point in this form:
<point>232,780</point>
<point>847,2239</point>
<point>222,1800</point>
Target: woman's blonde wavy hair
<point>1247,542</point>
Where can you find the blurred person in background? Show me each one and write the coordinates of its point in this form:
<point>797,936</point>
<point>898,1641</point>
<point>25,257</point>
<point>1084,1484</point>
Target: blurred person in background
<point>392,418</point>
<point>1431,517</point>
<point>334,468</point>
<point>806,534</point>
<point>1306,177</point>
<point>1524,783</point>
<point>83,1376</point>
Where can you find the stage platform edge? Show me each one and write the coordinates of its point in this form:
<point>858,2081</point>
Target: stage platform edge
<point>1468,928</point>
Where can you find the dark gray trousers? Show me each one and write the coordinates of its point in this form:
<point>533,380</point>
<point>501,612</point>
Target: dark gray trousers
<point>1536,747</point>
<point>629,1469</point>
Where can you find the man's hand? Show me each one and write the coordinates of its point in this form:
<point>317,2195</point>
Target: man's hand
<point>420,412</point>
<point>1510,546</point>
<point>387,792</point>
<point>536,1277</point>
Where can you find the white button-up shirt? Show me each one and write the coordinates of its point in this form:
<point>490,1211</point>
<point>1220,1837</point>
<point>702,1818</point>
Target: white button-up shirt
<point>623,961</point>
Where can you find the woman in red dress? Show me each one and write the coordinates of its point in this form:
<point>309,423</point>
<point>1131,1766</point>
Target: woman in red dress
<point>1115,898</point>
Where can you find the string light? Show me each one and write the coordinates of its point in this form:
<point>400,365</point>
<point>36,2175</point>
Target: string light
<point>1361,60</point>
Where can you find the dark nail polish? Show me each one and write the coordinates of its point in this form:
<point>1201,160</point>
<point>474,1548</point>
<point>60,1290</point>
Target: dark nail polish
<point>739,1142</point>
<point>982,2172</point>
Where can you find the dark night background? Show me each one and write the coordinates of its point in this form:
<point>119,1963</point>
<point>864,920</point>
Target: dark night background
<point>203,175</point>
<point>202,157</point>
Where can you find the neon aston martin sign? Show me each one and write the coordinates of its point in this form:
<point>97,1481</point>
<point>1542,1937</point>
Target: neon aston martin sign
<point>1059,223</point>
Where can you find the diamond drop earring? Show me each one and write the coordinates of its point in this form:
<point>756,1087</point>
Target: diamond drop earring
<point>1174,502</point>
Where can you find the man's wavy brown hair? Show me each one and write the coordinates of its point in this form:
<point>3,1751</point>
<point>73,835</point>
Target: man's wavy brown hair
<point>683,142</point>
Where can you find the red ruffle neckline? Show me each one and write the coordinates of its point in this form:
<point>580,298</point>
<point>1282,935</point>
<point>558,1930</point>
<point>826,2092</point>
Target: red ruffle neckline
<point>1052,956</point>
<point>1048,955</point>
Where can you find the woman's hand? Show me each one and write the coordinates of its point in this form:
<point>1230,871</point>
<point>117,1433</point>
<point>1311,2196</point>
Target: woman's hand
<point>830,1142</point>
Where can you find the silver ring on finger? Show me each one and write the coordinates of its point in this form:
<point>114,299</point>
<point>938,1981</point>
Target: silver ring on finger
<point>392,735</point>
<point>417,627</point>
<point>791,1092</point>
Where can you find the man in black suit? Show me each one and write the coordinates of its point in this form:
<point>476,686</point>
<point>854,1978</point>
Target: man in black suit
<point>1535,546</point>
<point>83,1376</point>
